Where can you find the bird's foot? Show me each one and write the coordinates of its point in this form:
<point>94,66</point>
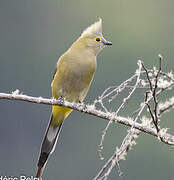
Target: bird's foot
<point>61,99</point>
<point>83,106</point>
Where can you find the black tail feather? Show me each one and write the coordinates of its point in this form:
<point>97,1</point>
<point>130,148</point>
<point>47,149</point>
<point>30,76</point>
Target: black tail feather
<point>47,147</point>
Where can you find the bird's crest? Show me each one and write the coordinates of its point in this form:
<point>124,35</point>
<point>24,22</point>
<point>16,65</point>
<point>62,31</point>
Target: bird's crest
<point>95,28</point>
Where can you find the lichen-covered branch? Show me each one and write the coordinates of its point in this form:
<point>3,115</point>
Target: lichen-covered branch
<point>89,109</point>
<point>118,155</point>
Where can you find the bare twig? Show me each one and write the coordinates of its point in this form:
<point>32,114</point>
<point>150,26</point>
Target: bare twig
<point>118,155</point>
<point>150,83</point>
<point>122,86</point>
<point>116,89</point>
<point>133,89</point>
<point>154,95</point>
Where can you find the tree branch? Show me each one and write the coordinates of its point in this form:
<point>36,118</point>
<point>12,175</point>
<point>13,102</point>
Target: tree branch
<point>90,109</point>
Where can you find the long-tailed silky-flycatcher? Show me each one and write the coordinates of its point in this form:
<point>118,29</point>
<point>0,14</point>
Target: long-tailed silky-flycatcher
<point>72,79</point>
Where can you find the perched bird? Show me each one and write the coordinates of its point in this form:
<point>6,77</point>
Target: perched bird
<point>72,79</point>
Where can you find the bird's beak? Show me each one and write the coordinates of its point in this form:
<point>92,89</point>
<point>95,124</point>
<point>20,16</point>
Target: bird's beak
<point>107,43</point>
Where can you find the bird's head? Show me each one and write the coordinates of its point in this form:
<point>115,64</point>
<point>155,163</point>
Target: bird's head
<point>93,39</point>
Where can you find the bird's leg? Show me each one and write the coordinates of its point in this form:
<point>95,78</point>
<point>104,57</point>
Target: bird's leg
<point>84,106</point>
<point>61,99</point>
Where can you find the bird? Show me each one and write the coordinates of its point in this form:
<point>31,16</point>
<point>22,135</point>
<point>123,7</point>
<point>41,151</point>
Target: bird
<point>72,79</point>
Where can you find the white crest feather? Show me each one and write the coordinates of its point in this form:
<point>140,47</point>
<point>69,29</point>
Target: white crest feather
<point>95,28</point>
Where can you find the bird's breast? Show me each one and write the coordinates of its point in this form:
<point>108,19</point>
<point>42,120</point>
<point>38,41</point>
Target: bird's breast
<point>73,78</point>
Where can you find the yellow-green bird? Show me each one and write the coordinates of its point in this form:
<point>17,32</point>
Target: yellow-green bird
<point>72,79</point>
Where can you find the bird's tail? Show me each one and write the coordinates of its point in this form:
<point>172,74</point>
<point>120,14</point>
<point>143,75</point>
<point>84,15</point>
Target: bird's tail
<point>48,146</point>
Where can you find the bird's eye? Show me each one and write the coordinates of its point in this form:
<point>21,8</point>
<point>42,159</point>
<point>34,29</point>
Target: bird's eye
<point>98,39</point>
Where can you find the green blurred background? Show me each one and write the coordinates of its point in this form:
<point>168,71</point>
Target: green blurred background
<point>33,34</point>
